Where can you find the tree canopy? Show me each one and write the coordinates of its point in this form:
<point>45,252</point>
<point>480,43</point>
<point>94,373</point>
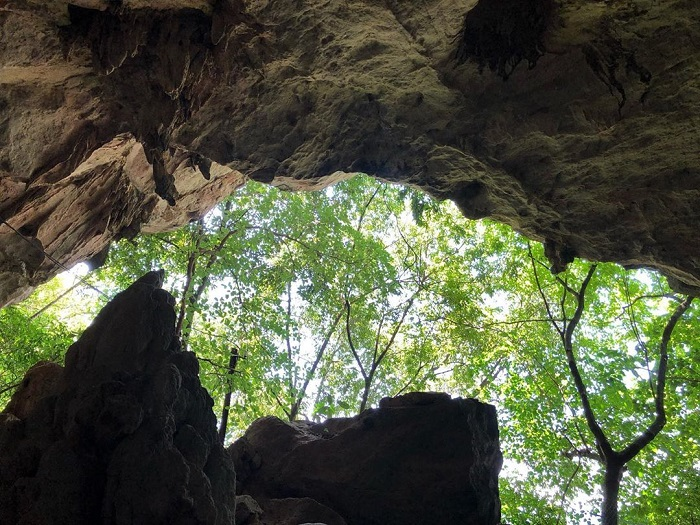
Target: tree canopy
<point>312,305</point>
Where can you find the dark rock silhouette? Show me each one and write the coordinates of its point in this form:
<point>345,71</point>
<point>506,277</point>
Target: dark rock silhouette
<point>418,459</point>
<point>124,434</point>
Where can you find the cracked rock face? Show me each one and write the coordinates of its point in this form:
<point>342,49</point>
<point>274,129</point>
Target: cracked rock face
<point>140,116</point>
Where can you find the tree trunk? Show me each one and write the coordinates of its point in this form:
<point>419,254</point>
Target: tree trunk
<point>365,393</point>
<point>611,489</point>
<point>294,411</point>
<point>232,362</point>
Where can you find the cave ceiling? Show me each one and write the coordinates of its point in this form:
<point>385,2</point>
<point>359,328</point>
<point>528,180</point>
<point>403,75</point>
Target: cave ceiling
<point>575,122</point>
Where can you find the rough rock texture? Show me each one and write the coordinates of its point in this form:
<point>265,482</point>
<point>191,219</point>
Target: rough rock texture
<point>124,434</point>
<point>135,115</point>
<point>417,459</point>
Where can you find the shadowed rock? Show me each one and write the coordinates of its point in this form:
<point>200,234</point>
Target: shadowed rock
<point>125,434</point>
<point>418,459</point>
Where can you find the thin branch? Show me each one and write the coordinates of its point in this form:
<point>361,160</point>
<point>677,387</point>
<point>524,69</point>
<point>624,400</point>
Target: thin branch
<point>282,406</point>
<point>600,437</point>
<point>565,284</point>
<point>288,338</point>
<point>395,332</point>
<point>314,366</point>
<point>631,302</point>
<point>56,262</point>
<point>638,337</point>
<point>409,246</point>
<point>683,379</point>
<point>213,257</point>
<point>660,420</point>
<point>366,207</point>
<point>12,386</point>
<point>494,323</point>
<point>561,281</point>
<point>169,243</point>
<point>584,453</point>
<point>66,292</point>
<point>550,315</point>
<point>301,243</point>
<point>564,434</point>
<point>185,322</point>
<point>557,384</point>
<point>217,365</point>
<point>492,374</point>
<point>411,380</point>
<point>377,338</point>
<point>350,343</point>
<point>567,487</point>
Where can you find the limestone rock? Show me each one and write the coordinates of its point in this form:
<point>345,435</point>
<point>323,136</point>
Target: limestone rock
<point>117,117</point>
<point>421,458</point>
<point>123,434</point>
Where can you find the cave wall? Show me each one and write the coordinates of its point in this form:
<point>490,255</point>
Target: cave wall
<point>139,116</point>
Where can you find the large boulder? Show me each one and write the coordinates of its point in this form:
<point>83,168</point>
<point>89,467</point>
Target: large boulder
<point>417,459</point>
<point>124,434</point>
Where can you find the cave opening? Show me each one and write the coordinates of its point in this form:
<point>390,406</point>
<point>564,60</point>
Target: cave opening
<point>125,117</point>
<point>325,306</point>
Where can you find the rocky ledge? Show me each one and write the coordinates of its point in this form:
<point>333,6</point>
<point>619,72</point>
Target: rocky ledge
<point>575,122</point>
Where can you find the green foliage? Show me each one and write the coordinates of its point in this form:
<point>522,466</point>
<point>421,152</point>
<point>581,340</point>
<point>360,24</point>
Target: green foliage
<point>617,350</point>
<point>24,340</point>
<point>335,299</point>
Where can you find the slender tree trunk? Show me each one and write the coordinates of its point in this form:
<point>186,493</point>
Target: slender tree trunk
<point>224,416</point>
<point>294,412</point>
<point>611,490</point>
<point>191,266</point>
<point>614,461</point>
<point>291,379</point>
<point>190,294</point>
<point>232,363</point>
<point>365,393</point>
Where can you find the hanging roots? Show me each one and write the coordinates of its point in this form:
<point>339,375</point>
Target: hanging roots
<point>502,33</point>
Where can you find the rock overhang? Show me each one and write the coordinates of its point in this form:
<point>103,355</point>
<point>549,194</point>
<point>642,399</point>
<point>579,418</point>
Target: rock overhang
<point>141,116</point>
